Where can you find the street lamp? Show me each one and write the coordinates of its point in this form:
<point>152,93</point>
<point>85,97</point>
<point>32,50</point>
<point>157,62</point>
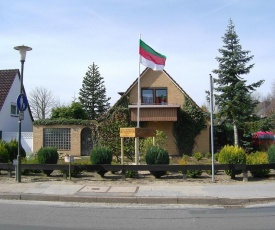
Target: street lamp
<point>22,50</point>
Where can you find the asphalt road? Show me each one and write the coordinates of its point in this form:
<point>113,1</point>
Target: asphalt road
<point>15,215</point>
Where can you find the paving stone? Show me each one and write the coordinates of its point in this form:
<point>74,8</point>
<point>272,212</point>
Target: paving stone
<point>94,189</point>
<point>123,189</point>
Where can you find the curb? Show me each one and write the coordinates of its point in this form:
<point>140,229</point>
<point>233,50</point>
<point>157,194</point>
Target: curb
<point>136,200</point>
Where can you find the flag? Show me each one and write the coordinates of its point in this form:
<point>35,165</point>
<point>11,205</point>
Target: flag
<point>150,58</point>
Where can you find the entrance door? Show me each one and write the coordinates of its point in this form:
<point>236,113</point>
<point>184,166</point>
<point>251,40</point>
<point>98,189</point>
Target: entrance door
<point>86,141</point>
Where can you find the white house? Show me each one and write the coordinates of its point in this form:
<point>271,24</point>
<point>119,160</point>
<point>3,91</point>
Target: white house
<point>9,91</point>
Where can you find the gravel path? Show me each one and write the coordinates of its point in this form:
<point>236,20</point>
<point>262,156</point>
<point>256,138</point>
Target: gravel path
<point>143,178</point>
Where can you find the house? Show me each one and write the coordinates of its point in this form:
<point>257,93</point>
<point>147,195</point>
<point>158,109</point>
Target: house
<point>9,91</point>
<point>161,100</point>
<point>265,108</point>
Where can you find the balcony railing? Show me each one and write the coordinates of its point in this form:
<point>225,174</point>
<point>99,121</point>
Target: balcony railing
<point>153,112</point>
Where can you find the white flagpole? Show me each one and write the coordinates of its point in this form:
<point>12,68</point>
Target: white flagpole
<point>138,110</point>
<point>138,102</point>
<point>212,126</point>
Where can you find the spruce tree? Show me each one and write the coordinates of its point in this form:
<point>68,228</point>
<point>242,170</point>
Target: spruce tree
<point>92,95</point>
<point>233,97</point>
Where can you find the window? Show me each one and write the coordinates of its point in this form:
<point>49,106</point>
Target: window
<point>156,96</point>
<point>14,110</point>
<point>147,96</point>
<point>57,137</point>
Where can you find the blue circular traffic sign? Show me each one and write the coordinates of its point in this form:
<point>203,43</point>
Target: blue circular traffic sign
<point>22,102</point>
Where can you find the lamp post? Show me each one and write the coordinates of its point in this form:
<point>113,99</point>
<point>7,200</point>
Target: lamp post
<point>22,50</point>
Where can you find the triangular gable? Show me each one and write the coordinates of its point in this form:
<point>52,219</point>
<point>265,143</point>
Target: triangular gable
<point>168,76</point>
<point>7,78</point>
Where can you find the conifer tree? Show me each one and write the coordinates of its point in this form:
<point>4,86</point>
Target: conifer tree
<point>92,95</point>
<point>233,97</point>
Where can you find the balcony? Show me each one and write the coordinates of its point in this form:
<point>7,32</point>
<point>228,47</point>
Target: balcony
<point>151,112</point>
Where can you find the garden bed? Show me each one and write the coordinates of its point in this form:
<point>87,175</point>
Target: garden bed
<point>142,177</point>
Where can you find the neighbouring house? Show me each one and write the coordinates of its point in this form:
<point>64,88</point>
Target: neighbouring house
<point>265,108</point>
<point>9,91</point>
<point>161,100</point>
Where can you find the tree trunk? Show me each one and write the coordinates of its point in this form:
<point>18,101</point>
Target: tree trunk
<point>236,137</point>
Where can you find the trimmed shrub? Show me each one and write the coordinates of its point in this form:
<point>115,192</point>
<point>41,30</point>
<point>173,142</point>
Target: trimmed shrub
<point>101,155</point>
<point>12,148</point>
<point>232,155</point>
<point>131,174</point>
<point>271,154</point>
<point>208,155</point>
<point>47,155</point>
<point>76,172</point>
<point>4,154</point>
<point>194,173</point>
<point>198,156</point>
<point>156,155</point>
<point>160,140</point>
<point>216,156</point>
<point>258,158</point>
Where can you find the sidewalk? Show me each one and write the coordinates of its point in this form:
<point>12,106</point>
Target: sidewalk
<point>209,194</point>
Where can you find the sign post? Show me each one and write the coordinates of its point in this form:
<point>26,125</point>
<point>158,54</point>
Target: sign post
<point>136,133</point>
<point>69,159</point>
<point>22,105</point>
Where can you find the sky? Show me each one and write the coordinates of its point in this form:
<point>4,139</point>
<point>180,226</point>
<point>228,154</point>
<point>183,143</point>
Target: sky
<point>66,36</point>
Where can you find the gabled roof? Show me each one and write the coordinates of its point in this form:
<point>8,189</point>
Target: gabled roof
<point>6,79</point>
<point>174,82</point>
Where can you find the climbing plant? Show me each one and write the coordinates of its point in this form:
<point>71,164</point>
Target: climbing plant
<point>191,120</point>
<point>109,129</point>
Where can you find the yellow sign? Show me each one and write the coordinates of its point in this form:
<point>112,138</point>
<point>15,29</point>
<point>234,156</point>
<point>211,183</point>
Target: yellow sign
<point>137,132</point>
<point>127,132</point>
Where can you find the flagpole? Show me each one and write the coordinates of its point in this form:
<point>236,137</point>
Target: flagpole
<point>138,102</point>
<point>212,126</point>
<point>138,110</point>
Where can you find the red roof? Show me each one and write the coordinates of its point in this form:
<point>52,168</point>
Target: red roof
<point>261,133</point>
<point>6,79</point>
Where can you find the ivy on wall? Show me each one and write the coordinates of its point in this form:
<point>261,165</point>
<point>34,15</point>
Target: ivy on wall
<point>109,129</point>
<point>64,121</point>
<point>191,120</point>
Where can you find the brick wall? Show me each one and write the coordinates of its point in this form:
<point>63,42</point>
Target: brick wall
<point>75,138</point>
<point>174,96</point>
<point>203,142</point>
<point>158,79</point>
<point>167,128</point>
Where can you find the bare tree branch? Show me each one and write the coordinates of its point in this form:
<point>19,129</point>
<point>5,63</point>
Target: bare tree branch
<point>41,102</point>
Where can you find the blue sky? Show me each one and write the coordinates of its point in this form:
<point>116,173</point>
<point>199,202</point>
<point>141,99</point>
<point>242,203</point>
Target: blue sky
<point>69,35</point>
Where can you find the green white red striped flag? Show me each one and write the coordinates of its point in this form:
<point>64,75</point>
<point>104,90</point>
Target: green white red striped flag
<point>150,58</point>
